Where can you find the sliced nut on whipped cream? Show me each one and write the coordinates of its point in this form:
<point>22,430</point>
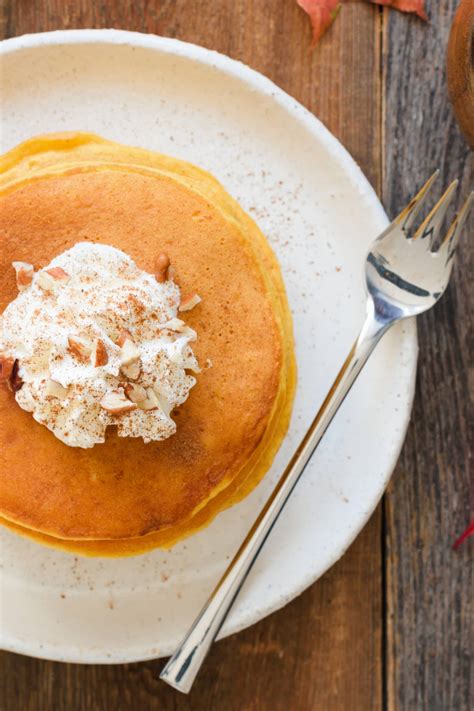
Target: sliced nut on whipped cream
<point>96,342</point>
<point>24,274</point>
<point>162,268</point>
<point>189,302</point>
<point>135,393</point>
<point>117,403</point>
<point>99,354</point>
<point>130,364</point>
<point>80,346</point>
<point>54,389</point>
<point>129,353</point>
<point>51,279</point>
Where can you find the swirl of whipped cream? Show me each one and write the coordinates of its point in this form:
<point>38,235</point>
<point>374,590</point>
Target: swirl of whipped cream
<point>97,342</point>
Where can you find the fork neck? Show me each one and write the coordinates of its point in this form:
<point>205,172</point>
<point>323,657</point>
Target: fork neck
<point>378,319</point>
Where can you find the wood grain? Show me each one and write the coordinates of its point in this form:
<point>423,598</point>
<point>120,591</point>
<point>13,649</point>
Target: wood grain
<point>430,500</point>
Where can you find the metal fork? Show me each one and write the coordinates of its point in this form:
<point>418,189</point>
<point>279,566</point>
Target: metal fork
<point>404,277</point>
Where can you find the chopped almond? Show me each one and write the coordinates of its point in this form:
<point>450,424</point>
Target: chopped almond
<point>99,354</point>
<point>124,336</point>
<point>174,324</point>
<point>135,392</point>
<point>132,370</point>
<point>55,389</point>
<point>6,367</point>
<point>45,281</point>
<point>80,346</point>
<point>129,353</point>
<point>24,274</point>
<point>178,326</point>
<point>49,279</point>
<point>58,274</point>
<point>116,403</point>
<point>155,401</point>
<point>164,403</point>
<point>162,265</point>
<point>151,402</point>
<point>189,302</point>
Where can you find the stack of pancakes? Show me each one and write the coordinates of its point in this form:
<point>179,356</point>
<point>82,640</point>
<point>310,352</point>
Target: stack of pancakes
<point>126,497</point>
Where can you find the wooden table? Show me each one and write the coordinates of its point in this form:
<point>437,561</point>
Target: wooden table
<point>390,625</point>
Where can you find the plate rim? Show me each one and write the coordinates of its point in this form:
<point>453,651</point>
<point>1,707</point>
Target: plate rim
<point>236,69</point>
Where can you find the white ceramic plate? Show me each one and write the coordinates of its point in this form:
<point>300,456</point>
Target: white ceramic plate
<point>319,213</point>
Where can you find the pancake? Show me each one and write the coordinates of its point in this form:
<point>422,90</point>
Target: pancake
<point>125,497</point>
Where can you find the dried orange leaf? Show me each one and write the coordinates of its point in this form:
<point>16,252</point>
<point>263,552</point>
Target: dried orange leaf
<point>321,13</point>
<point>416,6</point>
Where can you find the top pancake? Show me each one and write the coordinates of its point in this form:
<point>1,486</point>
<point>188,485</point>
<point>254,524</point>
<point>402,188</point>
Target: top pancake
<point>60,190</point>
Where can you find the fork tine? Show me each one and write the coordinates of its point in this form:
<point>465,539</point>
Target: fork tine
<point>449,244</point>
<point>431,225</point>
<point>407,216</point>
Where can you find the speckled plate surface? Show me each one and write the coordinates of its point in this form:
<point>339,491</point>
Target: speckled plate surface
<point>319,213</point>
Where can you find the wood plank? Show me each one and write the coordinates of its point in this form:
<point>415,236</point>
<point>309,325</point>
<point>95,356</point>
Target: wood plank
<point>319,653</point>
<point>429,593</point>
<point>323,651</point>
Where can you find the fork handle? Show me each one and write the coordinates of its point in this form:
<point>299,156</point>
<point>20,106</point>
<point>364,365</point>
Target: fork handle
<point>182,668</point>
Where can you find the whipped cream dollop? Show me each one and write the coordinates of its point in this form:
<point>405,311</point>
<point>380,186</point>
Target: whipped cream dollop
<point>94,341</point>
